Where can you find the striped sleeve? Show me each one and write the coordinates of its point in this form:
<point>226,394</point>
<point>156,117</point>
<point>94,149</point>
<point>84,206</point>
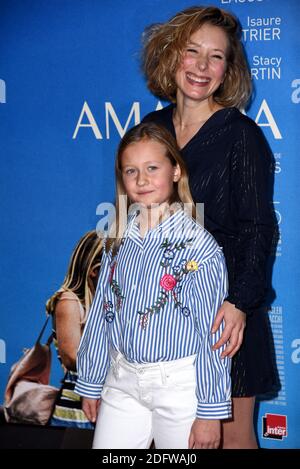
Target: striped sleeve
<point>92,356</point>
<point>213,388</point>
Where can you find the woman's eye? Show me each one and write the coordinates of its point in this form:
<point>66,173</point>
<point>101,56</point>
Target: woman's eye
<point>193,51</point>
<point>152,168</point>
<point>217,56</point>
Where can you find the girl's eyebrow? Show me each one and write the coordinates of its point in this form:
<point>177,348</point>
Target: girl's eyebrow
<point>146,162</point>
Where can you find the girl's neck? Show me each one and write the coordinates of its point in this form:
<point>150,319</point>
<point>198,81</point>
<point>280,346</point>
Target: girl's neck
<point>149,218</point>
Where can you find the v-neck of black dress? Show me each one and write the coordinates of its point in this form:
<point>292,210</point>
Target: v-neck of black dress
<point>214,121</point>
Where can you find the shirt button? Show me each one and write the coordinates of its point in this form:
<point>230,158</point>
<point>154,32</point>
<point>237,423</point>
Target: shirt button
<point>141,371</point>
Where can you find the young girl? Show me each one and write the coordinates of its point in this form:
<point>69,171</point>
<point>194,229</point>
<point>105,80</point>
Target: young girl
<point>146,365</point>
<point>69,308</point>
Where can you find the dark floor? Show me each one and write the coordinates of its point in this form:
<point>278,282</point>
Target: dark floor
<point>16,436</point>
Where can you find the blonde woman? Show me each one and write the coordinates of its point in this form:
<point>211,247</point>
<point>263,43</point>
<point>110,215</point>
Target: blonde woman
<point>69,308</point>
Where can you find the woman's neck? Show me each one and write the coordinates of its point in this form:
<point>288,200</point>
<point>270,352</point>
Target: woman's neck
<point>193,114</point>
<point>189,116</point>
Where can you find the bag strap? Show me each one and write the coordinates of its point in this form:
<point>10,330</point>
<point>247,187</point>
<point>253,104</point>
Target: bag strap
<point>42,332</point>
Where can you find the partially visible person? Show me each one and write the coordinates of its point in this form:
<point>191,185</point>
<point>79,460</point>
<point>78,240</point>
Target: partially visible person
<point>69,308</point>
<point>196,61</point>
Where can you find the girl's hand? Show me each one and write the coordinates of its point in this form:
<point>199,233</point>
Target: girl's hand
<point>90,407</point>
<point>235,323</point>
<point>205,434</point>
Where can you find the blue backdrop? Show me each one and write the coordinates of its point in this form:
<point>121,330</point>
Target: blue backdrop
<point>70,85</point>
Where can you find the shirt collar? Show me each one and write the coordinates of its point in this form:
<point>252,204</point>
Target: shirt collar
<point>177,226</point>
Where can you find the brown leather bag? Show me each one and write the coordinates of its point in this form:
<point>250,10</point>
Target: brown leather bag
<point>28,396</point>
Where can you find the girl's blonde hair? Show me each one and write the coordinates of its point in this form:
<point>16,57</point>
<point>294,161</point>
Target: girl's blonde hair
<point>165,43</point>
<point>85,258</point>
<point>182,194</point>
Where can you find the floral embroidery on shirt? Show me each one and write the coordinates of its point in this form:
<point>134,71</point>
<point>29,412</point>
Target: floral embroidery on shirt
<point>192,266</point>
<point>109,314</point>
<point>169,282</point>
<point>185,311</point>
<point>112,271</point>
<point>117,292</point>
<point>115,288</point>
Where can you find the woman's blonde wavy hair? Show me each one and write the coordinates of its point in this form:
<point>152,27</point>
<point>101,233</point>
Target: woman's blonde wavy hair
<point>165,43</point>
<point>85,259</point>
<point>182,194</point>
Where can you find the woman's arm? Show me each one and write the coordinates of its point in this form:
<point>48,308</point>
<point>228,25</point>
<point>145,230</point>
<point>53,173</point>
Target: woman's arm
<point>68,330</point>
<point>252,194</point>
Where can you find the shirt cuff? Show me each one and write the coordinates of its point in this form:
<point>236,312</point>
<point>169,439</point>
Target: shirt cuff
<point>217,411</point>
<point>237,303</point>
<point>91,390</point>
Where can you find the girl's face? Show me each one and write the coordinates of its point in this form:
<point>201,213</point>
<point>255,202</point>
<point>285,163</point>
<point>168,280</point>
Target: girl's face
<point>148,175</point>
<point>203,65</point>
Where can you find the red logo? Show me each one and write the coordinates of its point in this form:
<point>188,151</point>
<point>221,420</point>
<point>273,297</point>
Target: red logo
<point>275,426</point>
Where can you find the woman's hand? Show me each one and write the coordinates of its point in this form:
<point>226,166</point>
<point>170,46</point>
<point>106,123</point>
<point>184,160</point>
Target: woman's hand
<point>205,434</point>
<point>235,323</point>
<point>91,407</point>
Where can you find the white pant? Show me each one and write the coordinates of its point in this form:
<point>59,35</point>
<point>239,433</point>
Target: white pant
<point>142,402</point>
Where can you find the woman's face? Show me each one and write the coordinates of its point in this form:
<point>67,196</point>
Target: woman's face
<point>203,65</point>
<point>94,274</point>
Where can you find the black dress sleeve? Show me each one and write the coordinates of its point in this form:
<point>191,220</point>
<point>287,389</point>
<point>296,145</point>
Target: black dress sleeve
<point>252,182</point>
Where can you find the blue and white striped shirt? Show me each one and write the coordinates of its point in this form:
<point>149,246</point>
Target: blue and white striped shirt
<point>156,301</point>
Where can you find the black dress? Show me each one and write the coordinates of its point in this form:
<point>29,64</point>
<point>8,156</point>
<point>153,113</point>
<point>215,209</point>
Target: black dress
<point>230,171</point>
